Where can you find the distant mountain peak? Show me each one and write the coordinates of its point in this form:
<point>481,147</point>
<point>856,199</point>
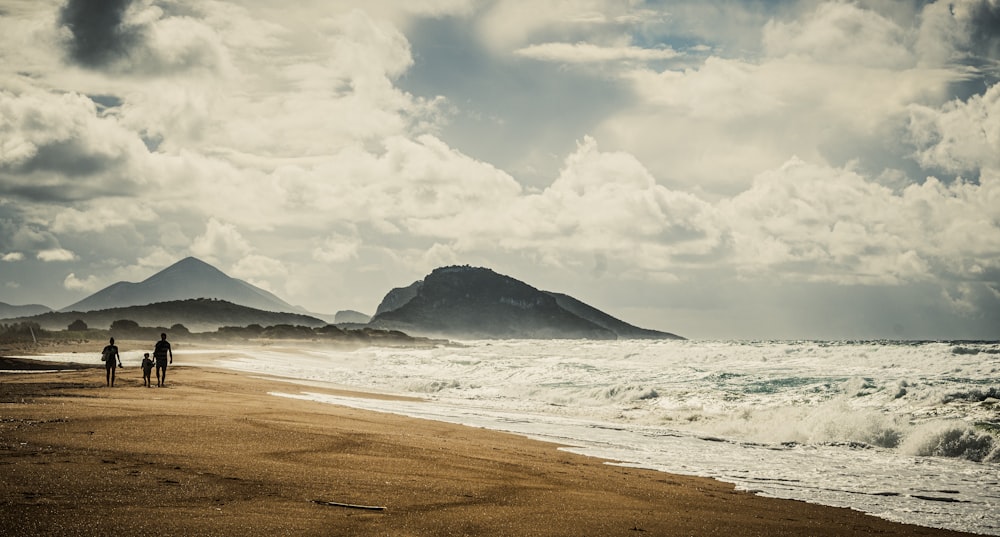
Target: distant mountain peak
<point>8,311</point>
<point>188,278</point>
<point>189,263</point>
<point>189,267</point>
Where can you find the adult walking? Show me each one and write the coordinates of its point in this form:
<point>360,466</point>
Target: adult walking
<point>160,353</point>
<point>110,357</point>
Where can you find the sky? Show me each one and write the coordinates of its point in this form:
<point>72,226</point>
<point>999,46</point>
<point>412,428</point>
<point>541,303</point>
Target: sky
<point>713,168</point>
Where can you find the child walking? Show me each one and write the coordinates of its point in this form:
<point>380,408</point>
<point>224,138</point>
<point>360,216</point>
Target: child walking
<point>147,369</point>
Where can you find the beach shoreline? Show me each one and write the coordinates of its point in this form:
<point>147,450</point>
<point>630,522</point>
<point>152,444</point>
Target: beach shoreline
<point>214,454</point>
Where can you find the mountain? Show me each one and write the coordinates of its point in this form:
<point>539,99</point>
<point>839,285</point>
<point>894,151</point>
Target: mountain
<point>598,317</point>
<point>398,296</point>
<point>196,314</point>
<point>187,278</point>
<point>473,302</point>
<point>8,311</point>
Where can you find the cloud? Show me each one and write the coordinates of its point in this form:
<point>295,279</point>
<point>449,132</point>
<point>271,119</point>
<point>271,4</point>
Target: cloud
<point>89,284</point>
<point>965,31</point>
<point>413,185</point>
<point>137,37</point>
<point>840,33</point>
<point>589,53</point>
<point>99,33</point>
<point>508,25</point>
<point>284,96</point>
<point>815,223</point>
<point>602,204</point>
<point>261,271</point>
<point>717,126</point>
<point>984,19</point>
<point>337,249</point>
<point>57,146</point>
<point>220,241</point>
<point>20,232</point>
<point>11,257</point>
<point>972,299</point>
<point>56,255</point>
<point>511,25</point>
<point>98,216</point>
<point>959,137</point>
<point>609,203</point>
<point>155,260</point>
<point>798,222</point>
<point>832,82</point>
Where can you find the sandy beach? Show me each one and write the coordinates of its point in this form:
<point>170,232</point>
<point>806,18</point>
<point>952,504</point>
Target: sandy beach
<point>213,454</point>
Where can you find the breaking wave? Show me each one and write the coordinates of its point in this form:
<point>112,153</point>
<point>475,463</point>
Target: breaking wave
<point>955,440</point>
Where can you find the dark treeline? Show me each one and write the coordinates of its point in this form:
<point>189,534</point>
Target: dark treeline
<point>27,331</point>
<point>124,329</point>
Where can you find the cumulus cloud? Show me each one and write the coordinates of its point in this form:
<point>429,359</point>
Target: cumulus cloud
<point>960,137</point>
<point>157,258</point>
<point>816,223</point>
<point>609,202</point>
<point>833,82</point>
<point>603,204</point>
<point>220,242</point>
<point>717,126</point>
<point>88,284</point>
<point>56,255</point>
<point>261,271</point>
<point>839,32</point>
<point>57,146</point>
<point>11,257</point>
<point>801,222</point>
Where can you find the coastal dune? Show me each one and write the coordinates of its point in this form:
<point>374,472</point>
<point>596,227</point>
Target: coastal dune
<point>214,454</point>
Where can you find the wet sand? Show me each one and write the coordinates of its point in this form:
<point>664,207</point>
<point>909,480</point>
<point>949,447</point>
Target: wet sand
<point>213,454</point>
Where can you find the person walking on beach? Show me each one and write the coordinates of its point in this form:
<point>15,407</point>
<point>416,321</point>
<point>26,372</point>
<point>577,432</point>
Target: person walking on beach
<point>147,368</point>
<point>160,353</point>
<point>110,357</point>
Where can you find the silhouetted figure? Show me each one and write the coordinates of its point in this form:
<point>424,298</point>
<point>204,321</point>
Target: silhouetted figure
<point>111,357</point>
<point>160,353</point>
<point>147,369</point>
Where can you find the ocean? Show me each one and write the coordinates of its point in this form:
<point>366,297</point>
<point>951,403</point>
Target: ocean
<point>906,431</point>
